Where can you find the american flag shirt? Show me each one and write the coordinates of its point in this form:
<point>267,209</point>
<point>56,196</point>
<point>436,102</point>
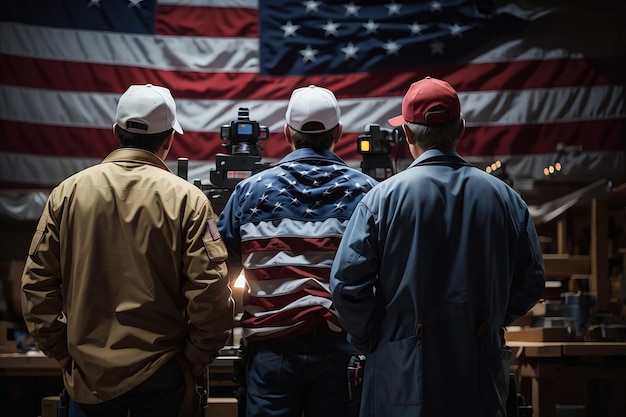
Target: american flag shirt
<point>283,226</point>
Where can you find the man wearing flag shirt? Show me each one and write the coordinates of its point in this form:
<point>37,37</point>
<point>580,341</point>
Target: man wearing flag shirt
<point>435,261</point>
<point>282,227</point>
<point>125,284</point>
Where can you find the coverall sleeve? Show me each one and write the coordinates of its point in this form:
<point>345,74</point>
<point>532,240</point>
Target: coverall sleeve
<point>353,279</point>
<point>529,277</point>
<point>42,298</point>
<point>210,305</point>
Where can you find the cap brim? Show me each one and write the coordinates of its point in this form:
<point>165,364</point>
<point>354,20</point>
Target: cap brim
<point>396,121</point>
<point>177,127</point>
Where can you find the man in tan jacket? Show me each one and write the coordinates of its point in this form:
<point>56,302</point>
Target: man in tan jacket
<point>125,282</point>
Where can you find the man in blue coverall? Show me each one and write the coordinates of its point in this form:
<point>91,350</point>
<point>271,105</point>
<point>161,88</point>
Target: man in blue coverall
<point>435,261</point>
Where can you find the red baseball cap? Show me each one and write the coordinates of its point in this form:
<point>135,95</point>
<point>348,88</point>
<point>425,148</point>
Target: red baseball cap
<point>428,101</point>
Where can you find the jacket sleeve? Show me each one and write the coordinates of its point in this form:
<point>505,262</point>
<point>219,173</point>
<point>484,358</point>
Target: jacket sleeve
<point>42,297</point>
<point>529,276</point>
<point>210,305</point>
<point>353,280</point>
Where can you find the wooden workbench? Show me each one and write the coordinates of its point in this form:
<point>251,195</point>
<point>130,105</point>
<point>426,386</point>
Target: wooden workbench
<point>591,374</point>
<point>221,374</point>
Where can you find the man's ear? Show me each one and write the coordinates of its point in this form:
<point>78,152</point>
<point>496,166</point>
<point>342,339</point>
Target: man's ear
<point>408,134</point>
<point>462,131</point>
<point>287,133</point>
<point>338,133</point>
<point>115,135</point>
<point>167,143</point>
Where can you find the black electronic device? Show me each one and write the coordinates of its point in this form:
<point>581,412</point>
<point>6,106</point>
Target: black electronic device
<point>375,145</point>
<point>244,152</point>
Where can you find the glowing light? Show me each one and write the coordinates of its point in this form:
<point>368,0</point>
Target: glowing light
<point>557,166</point>
<point>240,282</point>
<point>488,170</point>
<point>546,172</point>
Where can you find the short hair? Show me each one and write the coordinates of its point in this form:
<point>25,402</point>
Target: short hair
<point>442,136</point>
<point>149,142</point>
<point>317,141</point>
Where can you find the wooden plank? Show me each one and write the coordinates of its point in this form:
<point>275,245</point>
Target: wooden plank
<point>564,265</point>
<point>538,349</point>
<point>599,251</point>
<point>594,349</point>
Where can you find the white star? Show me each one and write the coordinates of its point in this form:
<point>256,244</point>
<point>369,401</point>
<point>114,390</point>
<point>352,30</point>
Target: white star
<point>348,193</point>
<point>456,31</point>
<point>437,47</point>
<point>316,183</point>
<point>350,50</point>
<point>370,27</point>
<point>94,3</point>
<point>435,6</point>
<point>282,191</point>
<point>311,6</point>
<point>134,3</point>
<point>415,28</point>
<point>352,9</point>
<point>263,198</point>
<point>268,185</point>
<point>339,206</point>
<point>292,165</point>
<point>309,211</point>
<point>254,210</point>
<point>289,29</point>
<point>277,206</point>
<point>391,47</point>
<point>259,178</point>
<point>308,54</point>
<point>304,173</point>
<point>393,8</point>
<point>295,201</point>
<point>330,28</point>
<point>306,191</point>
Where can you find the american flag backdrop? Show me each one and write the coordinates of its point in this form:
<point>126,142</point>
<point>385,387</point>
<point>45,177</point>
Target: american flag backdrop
<point>531,80</point>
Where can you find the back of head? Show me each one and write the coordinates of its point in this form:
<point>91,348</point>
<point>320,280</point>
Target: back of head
<point>432,110</point>
<point>146,115</point>
<point>313,117</point>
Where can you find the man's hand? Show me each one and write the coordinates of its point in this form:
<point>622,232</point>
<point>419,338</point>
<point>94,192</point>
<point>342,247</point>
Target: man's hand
<point>63,362</point>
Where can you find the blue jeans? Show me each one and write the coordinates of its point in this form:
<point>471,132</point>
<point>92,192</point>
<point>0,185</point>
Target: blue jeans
<point>300,376</point>
<point>160,395</point>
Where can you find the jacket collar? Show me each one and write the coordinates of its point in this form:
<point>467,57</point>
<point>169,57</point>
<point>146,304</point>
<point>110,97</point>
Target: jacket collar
<point>310,154</point>
<point>432,154</point>
<point>137,156</point>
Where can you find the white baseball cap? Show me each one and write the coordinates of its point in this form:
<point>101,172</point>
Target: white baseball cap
<point>147,109</point>
<point>312,109</point>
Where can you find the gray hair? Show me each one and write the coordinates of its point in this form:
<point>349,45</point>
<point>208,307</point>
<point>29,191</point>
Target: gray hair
<point>441,136</point>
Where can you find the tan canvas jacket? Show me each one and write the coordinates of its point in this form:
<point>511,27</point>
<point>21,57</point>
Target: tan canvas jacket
<point>126,269</point>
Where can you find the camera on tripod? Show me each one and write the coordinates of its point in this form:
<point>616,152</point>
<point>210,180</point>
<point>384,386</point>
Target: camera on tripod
<point>375,146</point>
<point>244,152</point>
